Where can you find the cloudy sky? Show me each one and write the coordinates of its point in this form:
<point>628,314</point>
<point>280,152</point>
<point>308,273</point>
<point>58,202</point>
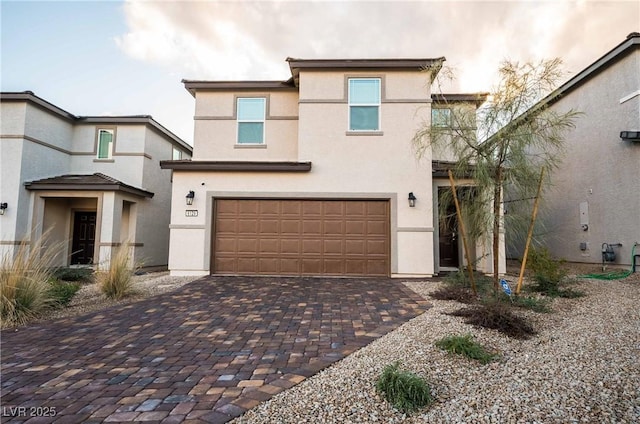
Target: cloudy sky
<point>128,58</point>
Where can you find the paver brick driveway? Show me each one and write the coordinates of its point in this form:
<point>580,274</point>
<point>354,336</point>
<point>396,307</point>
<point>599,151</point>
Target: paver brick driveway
<point>205,353</point>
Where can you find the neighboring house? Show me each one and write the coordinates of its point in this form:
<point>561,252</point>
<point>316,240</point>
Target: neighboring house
<point>316,175</point>
<point>90,183</point>
<point>595,194</point>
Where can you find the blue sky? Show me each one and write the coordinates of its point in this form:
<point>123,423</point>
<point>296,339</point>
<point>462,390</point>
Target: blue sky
<point>128,57</point>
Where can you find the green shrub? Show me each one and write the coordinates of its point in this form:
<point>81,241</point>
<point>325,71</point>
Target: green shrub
<point>62,292</point>
<point>84,275</point>
<point>466,346</point>
<point>117,281</point>
<point>403,389</point>
<point>24,281</point>
<point>547,272</point>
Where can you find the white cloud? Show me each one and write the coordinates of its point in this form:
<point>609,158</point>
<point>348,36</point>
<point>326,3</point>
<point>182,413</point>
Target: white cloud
<point>250,40</point>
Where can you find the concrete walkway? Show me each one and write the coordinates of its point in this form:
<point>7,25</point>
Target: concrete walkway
<point>205,353</point>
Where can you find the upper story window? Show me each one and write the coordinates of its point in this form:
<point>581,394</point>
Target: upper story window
<point>440,117</point>
<point>177,154</point>
<point>364,104</point>
<point>251,115</point>
<point>105,143</point>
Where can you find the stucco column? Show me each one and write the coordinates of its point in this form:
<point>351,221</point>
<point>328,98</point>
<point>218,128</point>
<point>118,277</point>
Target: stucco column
<point>110,216</point>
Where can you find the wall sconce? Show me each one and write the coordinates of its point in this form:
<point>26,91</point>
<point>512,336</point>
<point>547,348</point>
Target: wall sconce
<point>190,197</point>
<point>3,207</point>
<point>412,200</point>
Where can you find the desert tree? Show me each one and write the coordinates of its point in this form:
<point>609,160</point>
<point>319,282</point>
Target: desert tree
<point>504,144</point>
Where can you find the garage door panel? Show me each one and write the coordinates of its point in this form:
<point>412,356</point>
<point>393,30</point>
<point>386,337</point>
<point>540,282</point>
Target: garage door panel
<point>332,228</point>
<point>311,266</point>
<point>290,227</point>
<point>247,246</point>
<point>247,226</point>
<point>290,246</point>
<point>269,226</point>
<point>248,207</point>
<point>301,237</point>
<point>333,247</point>
<point>269,246</point>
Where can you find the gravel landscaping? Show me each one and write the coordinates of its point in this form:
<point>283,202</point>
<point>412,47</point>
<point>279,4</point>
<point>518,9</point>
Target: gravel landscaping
<point>582,367</point>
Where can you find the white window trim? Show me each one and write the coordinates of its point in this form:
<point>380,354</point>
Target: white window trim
<point>110,150</point>
<point>378,105</point>
<point>176,152</point>
<point>263,121</point>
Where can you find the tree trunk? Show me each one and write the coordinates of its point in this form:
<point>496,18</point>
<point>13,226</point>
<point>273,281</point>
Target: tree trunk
<point>497,191</point>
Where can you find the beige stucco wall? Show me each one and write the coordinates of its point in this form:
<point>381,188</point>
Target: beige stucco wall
<point>215,131</point>
<point>599,169</point>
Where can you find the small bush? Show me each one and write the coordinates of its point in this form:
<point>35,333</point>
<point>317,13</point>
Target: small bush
<point>117,282</point>
<point>497,316</point>
<point>466,346</point>
<point>547,272</point>
<point>457,293</point>
<point>62,292</point>
<point>24,281</point>
<point>84,275</point>
<point>403,389</point>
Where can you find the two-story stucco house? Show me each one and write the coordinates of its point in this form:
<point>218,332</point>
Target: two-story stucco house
<point>595,197</point>
<point>91,183</point>
<point>315,175</point>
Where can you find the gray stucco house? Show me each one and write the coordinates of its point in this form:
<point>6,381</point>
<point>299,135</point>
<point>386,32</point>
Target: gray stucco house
<point>92,183</point>
<point>595,198</point>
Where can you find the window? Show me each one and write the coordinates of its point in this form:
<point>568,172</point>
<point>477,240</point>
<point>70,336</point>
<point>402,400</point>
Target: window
<point>105,143</point>
<point>364,104</point>
<point>177,154</point>
<point>440,117</point>
<point>251,116</point>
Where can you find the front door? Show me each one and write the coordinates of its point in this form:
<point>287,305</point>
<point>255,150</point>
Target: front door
<point>448,234</point>
<point>84,235</point>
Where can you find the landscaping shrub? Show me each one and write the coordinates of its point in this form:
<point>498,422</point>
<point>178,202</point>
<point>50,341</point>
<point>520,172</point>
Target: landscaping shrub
<point>117,282</point>
<point>24,282</point>
<point>457,293</point>
<point>547,272</point>
<point>84,275</point>
<point>62,292</point>
<point>466,346</point>
<point>498,316</point>
<point>406,391</point>
<point>534,304</point>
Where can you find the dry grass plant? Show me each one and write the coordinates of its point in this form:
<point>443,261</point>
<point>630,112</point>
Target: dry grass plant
<point>25,281</point>
<point>117,281</point>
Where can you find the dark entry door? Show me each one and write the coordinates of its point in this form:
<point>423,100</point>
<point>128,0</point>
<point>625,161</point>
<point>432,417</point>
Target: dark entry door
<point>448,234</point>
<point>84,235</point>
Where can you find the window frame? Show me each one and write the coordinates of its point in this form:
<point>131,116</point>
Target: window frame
<point>110,148</point>
<point>351,104</point>
<point>446,123</point>
<point>240,121</point>
<point>176,152</point>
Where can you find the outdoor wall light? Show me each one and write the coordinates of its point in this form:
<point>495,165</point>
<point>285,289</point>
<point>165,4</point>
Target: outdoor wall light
<point>3,207</point>
<point>412,200</point>
<point>190,197</point>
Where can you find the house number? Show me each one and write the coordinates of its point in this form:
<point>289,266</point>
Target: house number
<point>191,212</point>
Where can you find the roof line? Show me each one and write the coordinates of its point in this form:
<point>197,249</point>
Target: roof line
<point>31,97</point>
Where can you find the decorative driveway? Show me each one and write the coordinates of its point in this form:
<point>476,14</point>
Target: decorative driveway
<point>206,352</point>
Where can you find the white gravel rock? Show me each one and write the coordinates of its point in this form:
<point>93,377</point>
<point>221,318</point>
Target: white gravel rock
<point>582,367</point>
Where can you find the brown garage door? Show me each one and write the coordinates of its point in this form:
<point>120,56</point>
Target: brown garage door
<point>301,237</point>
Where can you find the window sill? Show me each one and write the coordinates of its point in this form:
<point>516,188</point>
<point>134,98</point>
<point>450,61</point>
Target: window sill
<point>104,160</point>
<point>357,133</point>
<point>250,146</point>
